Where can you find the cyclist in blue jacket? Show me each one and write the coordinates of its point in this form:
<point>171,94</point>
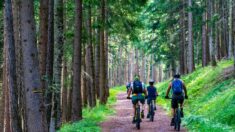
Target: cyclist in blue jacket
<point>179,93</point>
<point>152,95</point>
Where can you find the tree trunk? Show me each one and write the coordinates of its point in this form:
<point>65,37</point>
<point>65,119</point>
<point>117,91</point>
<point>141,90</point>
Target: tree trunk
<point>182,43</point>
<point>97,64</point>
<point>102,80</point>
<point>32,87</point>
<point>9,45</point>
<point>43,33</point>
<point>57,65</point>
<point>230,47</point>
<point>233,32</point>
<point>64,92</point>
<point>190,39</point>
<point>6,110</point>
<point>205,49</point>
<point>89,62</point>
<point>211,37</point>
<point>76,97</point>
<point>49,60</point>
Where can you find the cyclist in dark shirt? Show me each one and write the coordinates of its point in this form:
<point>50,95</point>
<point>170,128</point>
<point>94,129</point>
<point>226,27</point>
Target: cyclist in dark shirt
<point>152,95</point>
<point>179,93</point>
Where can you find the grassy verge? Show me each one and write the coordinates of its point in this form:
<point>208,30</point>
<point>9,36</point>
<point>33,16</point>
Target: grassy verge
<point>211,103</point>
<point>92,117</point>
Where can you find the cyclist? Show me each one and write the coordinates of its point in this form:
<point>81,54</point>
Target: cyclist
<point>128,85</point>
<point>179,92</point>
<point>152,95</point>
<point>138,94</point>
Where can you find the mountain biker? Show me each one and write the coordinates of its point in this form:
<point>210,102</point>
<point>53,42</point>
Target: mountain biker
<point>152,95</point>
<point>138,94</point>
<point>128,85</point>
<point>179,93</point>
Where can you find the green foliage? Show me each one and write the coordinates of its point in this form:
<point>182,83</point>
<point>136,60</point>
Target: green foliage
<point>210,106</point>
<point>92,117</point>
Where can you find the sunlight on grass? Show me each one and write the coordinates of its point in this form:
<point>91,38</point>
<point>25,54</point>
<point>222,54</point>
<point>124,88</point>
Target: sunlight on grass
<point>92,117</point>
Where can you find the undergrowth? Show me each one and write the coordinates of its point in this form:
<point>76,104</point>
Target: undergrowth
<point>211,103</point>
<point>92,117</point>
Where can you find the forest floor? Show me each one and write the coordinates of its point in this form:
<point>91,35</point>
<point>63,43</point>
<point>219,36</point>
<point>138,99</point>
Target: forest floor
<point>122,120</point>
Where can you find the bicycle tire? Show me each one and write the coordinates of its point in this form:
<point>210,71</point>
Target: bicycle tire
<point>138,118</point>
<point>151,113</point>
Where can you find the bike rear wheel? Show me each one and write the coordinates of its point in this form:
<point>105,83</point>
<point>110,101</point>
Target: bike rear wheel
<point>177,120</point>
<point>138,120</point>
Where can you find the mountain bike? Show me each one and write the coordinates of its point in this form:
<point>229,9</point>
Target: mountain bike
<point>151,110</point>
<point>137,115</point>
<point>177,118</point>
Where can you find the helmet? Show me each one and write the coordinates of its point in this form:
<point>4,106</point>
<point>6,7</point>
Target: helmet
<point>151,81</point>
<point>177,75</point>
<point>137,77</point>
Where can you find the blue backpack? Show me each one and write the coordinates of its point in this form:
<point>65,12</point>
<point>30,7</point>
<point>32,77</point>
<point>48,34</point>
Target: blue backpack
<point>177,87</point>
<point>137,87</point>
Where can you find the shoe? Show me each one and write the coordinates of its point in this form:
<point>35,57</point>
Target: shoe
<point>133,121</point>
<point>155,108</point>
<point>181,113</point>
<point>142,114</point>
<point>172,122</point>
<point>148,116</point>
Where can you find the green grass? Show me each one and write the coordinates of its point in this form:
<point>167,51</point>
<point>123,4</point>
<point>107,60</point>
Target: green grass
<point>92,117</point>
<point>211,103</point>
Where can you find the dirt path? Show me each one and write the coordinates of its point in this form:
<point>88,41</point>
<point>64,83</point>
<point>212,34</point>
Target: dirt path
<point>122,121</point>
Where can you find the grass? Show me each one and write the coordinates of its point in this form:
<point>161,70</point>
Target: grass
<point>211,103</point>
<point>92,117</point>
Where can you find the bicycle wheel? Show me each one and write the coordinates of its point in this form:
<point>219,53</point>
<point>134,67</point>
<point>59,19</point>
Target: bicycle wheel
<point>151,112</point>
<point>177,120</point>
<point>138,117</point>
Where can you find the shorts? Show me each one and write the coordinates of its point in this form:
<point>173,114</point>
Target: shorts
<point>136,98</point>
<point>149,100</point>
<point>176,99</point>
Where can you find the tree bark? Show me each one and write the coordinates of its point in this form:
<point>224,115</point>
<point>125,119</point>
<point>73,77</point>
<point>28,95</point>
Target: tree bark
<point>49,61</point>
<point>31,76</point>
<point>57,65</point>
<point>190,39</point>
<point>102,80</point>
<point>90,64</point>
<point>76,97</point>
<point>9,45</point>
<point>43,33</point>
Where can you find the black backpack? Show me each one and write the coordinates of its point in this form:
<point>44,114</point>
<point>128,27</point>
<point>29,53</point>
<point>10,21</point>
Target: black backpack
<point>137,87</point>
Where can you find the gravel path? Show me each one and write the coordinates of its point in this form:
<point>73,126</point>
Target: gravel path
<point>122,121</point>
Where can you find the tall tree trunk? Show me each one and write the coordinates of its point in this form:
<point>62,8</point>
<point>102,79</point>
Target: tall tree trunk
<point>211,37</point>
<point>49,60</point>
<point>43,33</point>
<point>205,49</point>
<point>64,91</point>
<point>84,79</point>
<point>89,62</point>
<point>190,39</point>
<point>9,45</point>
<point>76,97</point>
<point>182,43</point>
<point>233,33</point>
<point>6,110</point>
<point>32,87</point>
<point>230,47</point>
<point>102,80</point>
<point>57,65</point>
<point>97,64</point>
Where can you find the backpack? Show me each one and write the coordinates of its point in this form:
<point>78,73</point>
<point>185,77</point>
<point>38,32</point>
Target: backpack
<point>137,87</point>
<point>177,87</point>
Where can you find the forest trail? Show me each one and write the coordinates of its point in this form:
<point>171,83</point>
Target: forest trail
<point>122,120</point>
